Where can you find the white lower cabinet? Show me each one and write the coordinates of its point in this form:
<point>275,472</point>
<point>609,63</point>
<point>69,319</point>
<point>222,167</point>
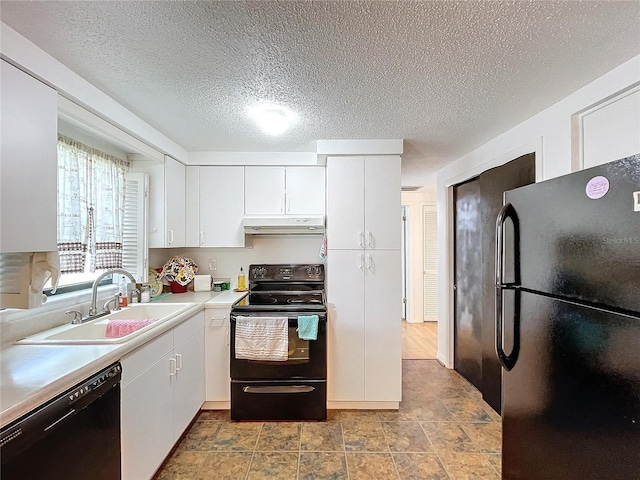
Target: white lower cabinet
<point>217,331</point>
<point>162,391</point>
<point>364,302</point>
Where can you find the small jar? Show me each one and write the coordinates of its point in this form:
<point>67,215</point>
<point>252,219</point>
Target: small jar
<point>145,293</point>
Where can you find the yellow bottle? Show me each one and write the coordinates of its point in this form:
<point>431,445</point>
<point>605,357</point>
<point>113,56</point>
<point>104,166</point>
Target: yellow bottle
<point>242,280</point>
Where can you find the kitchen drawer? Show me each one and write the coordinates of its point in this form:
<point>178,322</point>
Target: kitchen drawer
<point>217,317</point>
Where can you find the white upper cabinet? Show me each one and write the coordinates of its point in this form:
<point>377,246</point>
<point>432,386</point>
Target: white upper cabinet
<point>305,193</point>
<point>174,184</point>
<point>284,190</point>
<point>221,206</point>
<point>166,202</point>
<point>363,202</point>
<point>28,168</point>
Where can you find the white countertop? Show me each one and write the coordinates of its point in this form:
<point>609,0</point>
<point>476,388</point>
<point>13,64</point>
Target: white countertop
<point>32,374</point>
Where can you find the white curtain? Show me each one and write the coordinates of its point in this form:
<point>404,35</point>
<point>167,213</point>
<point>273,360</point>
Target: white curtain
<point>90,207</point>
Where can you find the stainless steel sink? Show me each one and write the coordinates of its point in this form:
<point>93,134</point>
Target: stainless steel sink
<point>95,331</point>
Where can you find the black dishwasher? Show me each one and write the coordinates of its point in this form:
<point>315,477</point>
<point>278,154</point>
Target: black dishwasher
<point>76,435</point>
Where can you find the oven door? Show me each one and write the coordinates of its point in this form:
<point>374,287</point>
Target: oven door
<point>307,358</point>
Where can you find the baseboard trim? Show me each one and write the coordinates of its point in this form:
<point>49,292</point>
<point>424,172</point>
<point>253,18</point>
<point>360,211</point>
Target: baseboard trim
<point>216,405</point>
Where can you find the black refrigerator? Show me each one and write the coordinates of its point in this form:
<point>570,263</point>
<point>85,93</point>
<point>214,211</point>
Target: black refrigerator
<point>568,325</point>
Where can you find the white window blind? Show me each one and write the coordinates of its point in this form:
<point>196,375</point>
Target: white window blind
<point>134,229</point>
<point>429,229</point>
<point>15,280</point>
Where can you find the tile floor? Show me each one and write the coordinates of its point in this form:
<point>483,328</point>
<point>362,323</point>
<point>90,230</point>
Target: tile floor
<point>443,430</point>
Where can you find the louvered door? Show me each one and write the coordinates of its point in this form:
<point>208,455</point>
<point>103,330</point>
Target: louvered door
<point>430,267</point>
<point>134,228</point>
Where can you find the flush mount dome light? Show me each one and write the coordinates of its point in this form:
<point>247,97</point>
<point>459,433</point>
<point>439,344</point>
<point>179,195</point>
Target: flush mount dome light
<point>272,119</point>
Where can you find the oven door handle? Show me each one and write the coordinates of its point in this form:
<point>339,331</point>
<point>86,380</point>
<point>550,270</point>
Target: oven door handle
<point>280,389</point>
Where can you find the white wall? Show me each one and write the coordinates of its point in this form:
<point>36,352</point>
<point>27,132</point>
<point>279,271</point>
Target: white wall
<point>265,249</point>
<point>549,135</point>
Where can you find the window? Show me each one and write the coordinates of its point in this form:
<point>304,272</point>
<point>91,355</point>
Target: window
<point>91,202</point>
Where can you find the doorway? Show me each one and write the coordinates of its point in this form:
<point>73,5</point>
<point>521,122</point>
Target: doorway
<point>420,282</point>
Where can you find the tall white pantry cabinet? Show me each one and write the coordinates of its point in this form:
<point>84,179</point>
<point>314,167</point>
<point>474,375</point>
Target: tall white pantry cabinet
<point>364,286</point>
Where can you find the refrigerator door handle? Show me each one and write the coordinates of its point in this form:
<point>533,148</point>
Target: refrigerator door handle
<point>507,211</point>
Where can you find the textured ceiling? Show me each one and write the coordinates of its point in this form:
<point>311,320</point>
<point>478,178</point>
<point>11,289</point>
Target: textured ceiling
<point>445,76</point>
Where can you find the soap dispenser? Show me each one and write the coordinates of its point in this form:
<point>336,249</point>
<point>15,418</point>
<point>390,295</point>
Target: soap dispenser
<point>242,281</point>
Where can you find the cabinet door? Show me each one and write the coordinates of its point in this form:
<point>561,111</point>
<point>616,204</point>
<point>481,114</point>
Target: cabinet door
<point>28,149</point>
<point>174,187</point>
<point>346,326</point>
<point>345,202</point>
<point>192,207</point>
<point>305,191</point>
<point>217,354</point>
<point>221,206</point>
<point>383,334</point>
<point>147,420</point>
<point>188,382</point>
<point>264,190</point>
<point>382,213</point>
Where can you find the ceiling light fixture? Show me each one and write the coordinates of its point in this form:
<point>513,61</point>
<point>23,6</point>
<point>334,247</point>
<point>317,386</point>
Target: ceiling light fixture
<point>272,119</point>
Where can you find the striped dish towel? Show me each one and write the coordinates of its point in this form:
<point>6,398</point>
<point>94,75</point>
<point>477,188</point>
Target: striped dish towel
<point>262,338</point>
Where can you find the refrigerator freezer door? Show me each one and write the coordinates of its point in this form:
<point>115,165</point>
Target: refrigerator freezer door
<point>580,236</point>
<point>571,403</point>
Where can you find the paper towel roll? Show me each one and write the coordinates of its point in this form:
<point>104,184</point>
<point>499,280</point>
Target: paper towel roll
<point>202,283</point>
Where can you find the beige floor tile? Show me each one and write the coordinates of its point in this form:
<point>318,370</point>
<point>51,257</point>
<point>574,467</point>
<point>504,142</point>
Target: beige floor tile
<point>362,436</point>
<point>182,465</point>
<point>495,459</point>
<point>448,437</point>
<point>465,409</point>
<point>468,466</point>
<point>369,466</point>
<point>237,436</point>
<point>214,415</point>
<point>225,466</point>
<point>201,436</point>
<point>322,466</point>
<point>360,415</point>
<point>279,437</point>
<point>488,436</point>
<point>406,437</point>
<point>419,466</point>
<point>320,437</point>
<point>273,465</point>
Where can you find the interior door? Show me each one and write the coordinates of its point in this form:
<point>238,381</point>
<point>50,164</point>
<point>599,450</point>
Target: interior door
<point>468,282</point>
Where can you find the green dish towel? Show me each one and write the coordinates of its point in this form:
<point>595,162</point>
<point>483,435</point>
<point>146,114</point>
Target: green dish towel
<point>308,327</point>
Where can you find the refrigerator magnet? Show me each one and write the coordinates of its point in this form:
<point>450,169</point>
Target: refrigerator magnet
<point>597,187</point>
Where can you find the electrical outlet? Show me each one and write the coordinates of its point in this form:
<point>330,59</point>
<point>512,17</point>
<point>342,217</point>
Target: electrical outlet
<point>213,264</point>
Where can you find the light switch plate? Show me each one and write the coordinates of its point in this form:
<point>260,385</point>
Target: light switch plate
<point>213,264</point>
<point>636,201</point>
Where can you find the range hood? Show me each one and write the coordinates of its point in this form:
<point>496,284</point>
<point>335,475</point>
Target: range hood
<point>283,225</point>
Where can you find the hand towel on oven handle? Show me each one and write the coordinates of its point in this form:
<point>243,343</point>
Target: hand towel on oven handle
<point>308,327</point>
<point>262,338</point>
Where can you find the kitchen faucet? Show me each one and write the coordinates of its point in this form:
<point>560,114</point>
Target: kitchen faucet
<point>93,310</point>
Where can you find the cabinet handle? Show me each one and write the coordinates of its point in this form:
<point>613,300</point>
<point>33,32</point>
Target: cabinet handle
<point>170,232</point>
<point>361,239</point>
<point>361,263</point>
<point>178,362</point>
<point>370,263</point>
<point>172,363</point>
<point>370,239</point>
<point>227,337</point>
<point>288,205</point>
<point>201,238</point>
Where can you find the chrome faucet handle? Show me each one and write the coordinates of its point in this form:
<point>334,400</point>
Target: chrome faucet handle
<point>77,316</point>
<point>116,303</point>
